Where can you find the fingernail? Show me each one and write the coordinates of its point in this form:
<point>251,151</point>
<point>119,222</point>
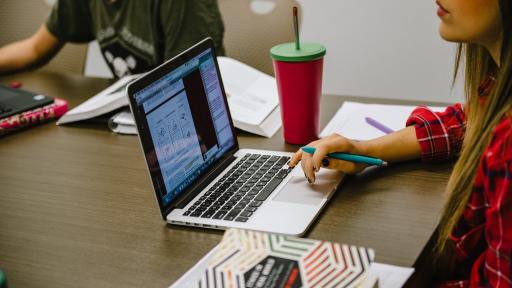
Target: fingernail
<point>316,169</point>
<point>325,162</point>
<point>309,180</point>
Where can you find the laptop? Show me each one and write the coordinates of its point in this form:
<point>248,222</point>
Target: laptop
<point>15,101</point>
<point>200,175</point>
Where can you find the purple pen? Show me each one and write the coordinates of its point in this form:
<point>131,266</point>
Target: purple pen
<point>378,125</point>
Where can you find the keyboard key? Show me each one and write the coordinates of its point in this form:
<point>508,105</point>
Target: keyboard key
<point>258,175</point>
<point>273,158</point>
<point>229,218</point>
<point>208,214</point>
<point>196,214</point>
<point>255,203</point>
<point>258,187</point>
<point>246,214</point>
<point>234,212</point>
<point>244,202</point>
<point>250,209</point>
<point>186,213</point>
<point>252,192</point>
<point>283,160</point>
<point>220,214</point>
<point>241,219</point>
<point>268,189</point>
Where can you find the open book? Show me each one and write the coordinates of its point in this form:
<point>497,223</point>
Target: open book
<point>252,99</point>
<point>108,100</point>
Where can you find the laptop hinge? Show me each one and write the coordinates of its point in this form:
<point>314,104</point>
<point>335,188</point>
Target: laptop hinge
<point>206,180</point>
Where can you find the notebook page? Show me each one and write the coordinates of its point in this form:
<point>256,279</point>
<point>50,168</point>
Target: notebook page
<point>350,121</point>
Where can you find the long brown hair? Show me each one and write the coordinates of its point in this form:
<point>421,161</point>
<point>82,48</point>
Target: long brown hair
<point>482,116</point>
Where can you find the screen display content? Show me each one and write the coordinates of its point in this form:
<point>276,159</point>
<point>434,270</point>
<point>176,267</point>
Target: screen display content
<point>188,121</point>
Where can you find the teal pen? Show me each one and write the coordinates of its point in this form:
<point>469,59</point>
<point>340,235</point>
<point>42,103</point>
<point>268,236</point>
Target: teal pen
<point>349,157</point>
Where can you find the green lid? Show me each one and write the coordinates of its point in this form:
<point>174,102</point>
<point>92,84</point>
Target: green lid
<point>308,51</point>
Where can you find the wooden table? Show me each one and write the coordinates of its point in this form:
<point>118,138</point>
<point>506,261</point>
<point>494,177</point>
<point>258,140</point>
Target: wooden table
<point>77,208</point>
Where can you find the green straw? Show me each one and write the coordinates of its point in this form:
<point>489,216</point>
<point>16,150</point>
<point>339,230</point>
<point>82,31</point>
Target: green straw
<point>296,27</point>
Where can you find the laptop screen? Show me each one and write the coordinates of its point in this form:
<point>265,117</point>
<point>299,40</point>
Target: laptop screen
<point>187,119</point>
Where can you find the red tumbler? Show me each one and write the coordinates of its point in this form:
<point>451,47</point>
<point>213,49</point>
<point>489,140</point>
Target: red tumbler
<point>299,82</point>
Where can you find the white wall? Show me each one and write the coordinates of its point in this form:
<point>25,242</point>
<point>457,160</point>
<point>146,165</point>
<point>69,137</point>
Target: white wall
<point>385,49</point>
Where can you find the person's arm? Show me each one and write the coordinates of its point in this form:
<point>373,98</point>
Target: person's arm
<point>431,136</point>
<point>395,147</point>
<point>34,51</point>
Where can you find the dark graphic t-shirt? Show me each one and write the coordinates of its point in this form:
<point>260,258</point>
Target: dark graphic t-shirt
<point>137,35</point>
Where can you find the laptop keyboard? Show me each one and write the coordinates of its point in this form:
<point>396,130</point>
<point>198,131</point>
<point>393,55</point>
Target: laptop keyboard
<point>242,190</point>
<point>4,109</point>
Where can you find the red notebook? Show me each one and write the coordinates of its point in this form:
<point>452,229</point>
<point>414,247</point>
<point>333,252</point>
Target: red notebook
<point>33,117</point>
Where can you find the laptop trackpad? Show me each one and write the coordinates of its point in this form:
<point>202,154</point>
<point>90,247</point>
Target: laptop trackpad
<point>299,191</point>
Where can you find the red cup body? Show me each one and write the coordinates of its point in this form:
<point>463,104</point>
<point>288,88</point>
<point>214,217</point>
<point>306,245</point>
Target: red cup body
<point>300,87</point>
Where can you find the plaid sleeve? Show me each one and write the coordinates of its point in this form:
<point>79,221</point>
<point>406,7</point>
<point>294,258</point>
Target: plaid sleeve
<point>440,134</point>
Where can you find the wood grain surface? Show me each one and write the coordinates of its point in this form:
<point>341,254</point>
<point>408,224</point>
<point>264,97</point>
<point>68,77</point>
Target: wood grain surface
<point>77,208</point>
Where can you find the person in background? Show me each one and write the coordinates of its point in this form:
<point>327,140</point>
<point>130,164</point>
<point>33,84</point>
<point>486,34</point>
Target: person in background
<point>134,35</point>
<point>475,230</point>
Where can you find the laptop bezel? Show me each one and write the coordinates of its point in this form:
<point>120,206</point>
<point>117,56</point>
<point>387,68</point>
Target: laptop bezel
<point>149,78</point>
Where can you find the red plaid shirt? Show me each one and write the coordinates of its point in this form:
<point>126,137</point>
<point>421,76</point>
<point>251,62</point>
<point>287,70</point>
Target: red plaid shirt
<point>483,235</point>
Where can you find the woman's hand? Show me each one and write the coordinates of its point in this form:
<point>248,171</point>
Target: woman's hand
<point>333,143</point>
<point>398,146</point>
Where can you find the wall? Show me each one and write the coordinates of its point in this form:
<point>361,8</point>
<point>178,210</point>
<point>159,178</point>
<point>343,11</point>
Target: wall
<point>19,19</point>
<point>385,49</point>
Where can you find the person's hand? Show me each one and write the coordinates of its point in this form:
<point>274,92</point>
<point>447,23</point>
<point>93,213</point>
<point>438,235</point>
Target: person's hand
<point>333,143</point>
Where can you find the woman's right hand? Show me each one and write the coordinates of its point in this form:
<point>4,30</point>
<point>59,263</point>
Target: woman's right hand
<point>333,143</point>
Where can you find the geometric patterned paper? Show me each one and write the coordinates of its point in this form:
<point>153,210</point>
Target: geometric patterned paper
<point>250,259</point>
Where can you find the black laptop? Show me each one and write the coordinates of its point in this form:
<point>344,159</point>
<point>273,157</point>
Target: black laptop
<point>15,101</point>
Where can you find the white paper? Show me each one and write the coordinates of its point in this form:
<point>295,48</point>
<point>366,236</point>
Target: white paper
<point>123,123</point>
<point>125,129</point>
<point>110,99</point>
<point>252,97</point>
<point>124,118</point>
<point>390,276</point>
<point>350,121</point>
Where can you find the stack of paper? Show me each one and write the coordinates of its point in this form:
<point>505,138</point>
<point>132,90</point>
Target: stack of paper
<point>123,123</point>
<point>351,119</point>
